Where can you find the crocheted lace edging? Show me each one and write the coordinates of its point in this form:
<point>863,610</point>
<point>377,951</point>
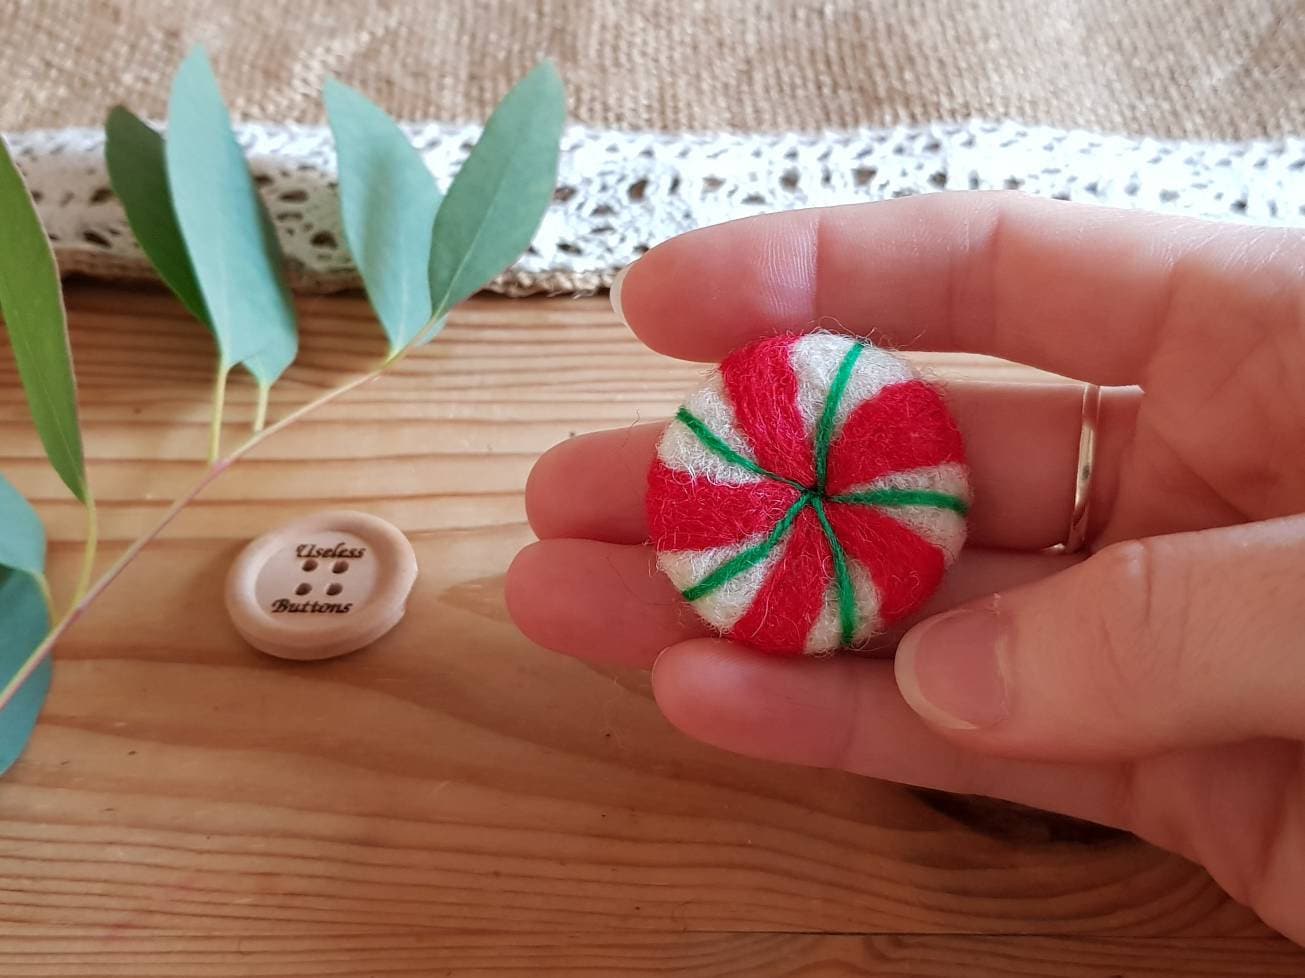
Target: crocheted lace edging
<point>620,193</point>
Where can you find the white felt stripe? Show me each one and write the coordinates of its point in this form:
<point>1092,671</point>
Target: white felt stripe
<point>944,528</point>
<point>684,451</point>
<point>867,603</point>
<point>827,632</point>
<point>724,606</point>
<point>816,358</point>
<point>950,477</point>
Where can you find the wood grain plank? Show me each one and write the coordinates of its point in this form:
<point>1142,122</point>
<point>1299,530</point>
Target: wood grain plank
<point>188,798</point>
<point>133,954</point>
<point>453,776</point>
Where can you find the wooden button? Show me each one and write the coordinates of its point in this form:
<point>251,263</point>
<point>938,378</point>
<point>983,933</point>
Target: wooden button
<point>321,586</point>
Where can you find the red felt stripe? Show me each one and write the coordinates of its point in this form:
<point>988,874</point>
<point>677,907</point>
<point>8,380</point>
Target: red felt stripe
<point>762,387</point>
<point>690,513</point>
<point>905,426</point>
<point>904,566</point>
<point>793,594</point>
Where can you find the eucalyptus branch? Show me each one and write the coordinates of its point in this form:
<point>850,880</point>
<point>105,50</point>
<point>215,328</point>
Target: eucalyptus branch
<point>196,211</point>
<point>87,594</point>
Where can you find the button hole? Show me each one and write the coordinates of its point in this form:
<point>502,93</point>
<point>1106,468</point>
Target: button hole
<point>310,564</point>
<point>339,567</point>
<point>334,588</point>
<point>303,588</point>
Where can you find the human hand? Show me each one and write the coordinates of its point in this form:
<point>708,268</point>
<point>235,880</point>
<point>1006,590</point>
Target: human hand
<point>1157,685</point>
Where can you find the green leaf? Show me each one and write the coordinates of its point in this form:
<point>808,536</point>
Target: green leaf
<point>282,336</point>
<point>388,202</point>
<point>22,542</point>
<point>500,194</point>
<point>26,622</point>
<point>138,172</point>
<point>228,234</point>
<point>31,299</point>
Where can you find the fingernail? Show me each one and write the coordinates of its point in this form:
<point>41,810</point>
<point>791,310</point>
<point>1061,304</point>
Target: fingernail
<point>614,294</point>
<point>949,669</point>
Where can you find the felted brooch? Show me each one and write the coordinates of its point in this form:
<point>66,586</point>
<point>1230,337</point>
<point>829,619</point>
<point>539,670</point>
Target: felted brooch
<point>810,495</point>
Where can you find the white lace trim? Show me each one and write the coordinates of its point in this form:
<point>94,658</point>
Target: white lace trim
<point>620,193</point>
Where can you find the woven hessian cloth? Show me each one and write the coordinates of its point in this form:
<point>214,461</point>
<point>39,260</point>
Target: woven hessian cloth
<point>1219,69</point>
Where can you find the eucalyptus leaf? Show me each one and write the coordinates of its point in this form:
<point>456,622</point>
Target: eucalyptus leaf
<point>497,200</point>
<point>26,622</point>
<point>388,202</point>
<point>22,537</point>
<point>226,228</point>
<point>282,345</point>
<point>138,172</point>
<point>31,299</point>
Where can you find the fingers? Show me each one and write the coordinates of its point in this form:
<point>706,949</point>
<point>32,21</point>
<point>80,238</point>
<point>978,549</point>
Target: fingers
<point>1148,646</point>
<point>597,601</point>
<point>1076,289</point>
<point>1222,807</point>
<point>608,603</point>
<point>847,713</point>
<point>593,486</point>
<point>1022,442</point>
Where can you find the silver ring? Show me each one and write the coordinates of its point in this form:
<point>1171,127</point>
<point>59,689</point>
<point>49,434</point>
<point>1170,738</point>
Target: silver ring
<point>1087,455</point>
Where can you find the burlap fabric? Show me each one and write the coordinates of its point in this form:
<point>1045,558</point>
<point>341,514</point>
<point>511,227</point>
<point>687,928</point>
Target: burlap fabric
<point>1222,69</point>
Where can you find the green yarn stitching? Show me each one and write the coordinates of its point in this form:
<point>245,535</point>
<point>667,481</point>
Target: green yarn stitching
<point>712,441</point>
<point>825,429</point>
<point>749,558</point>
<point>846,593</point>
<point>905,497</point>
<point>813,497</point>
<point>825,438</point>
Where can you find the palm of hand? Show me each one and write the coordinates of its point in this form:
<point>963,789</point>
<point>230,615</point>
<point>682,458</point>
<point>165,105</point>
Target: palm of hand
<point>1211,447</point>
<point>1166,695</point>
<point>1224,406</point>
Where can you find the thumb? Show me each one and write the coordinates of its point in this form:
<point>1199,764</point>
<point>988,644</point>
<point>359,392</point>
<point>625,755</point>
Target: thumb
<point>1149,645</point>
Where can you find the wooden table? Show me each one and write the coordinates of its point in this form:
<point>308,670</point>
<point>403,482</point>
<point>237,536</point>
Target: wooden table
<point>455,800</point>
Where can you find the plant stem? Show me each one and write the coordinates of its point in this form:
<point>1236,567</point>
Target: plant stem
<point>88,552</point>
<point>43,583</point>
<point>260,412</point>
<point>210,474</point>
<point>258,437</point>
<point>219,405</point>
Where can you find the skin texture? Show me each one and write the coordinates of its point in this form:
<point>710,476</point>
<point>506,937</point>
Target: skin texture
<point>1158,684</point>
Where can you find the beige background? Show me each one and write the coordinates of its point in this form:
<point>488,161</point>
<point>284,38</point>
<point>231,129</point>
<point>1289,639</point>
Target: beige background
<point>1203,68</point>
